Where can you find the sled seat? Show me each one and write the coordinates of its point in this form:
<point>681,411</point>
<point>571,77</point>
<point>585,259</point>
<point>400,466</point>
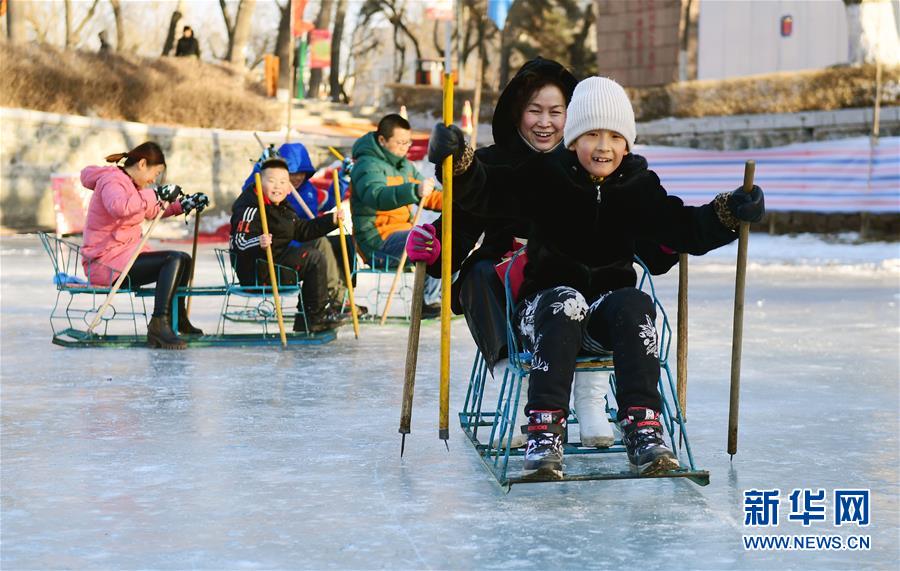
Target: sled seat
<point>489,414</point>
<point>78,301</point>
<point>382,268</point>
<point>254,304</point>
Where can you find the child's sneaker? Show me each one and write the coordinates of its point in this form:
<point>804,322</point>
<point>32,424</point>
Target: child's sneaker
<point>546,431</point>
<point>589,392</point>
<point>643,438</point>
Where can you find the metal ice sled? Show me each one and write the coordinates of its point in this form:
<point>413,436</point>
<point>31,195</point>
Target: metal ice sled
<point>489,420</point>
<point>124,322</point>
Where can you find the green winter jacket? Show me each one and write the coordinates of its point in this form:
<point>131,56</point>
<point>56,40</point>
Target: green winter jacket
<point>383,187</point>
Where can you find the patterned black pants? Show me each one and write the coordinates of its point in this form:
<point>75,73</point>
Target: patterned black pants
<point>557,325</point>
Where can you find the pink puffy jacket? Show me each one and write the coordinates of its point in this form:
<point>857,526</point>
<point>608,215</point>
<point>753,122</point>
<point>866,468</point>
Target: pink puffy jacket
<point>112,230</point>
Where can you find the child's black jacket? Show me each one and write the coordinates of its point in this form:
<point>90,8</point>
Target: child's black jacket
<point>284,226</point>
<point>583,234</point>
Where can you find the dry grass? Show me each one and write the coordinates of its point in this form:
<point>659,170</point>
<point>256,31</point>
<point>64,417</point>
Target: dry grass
<point>186,92</point>
<point>786,92</point>
<point>169,91</point>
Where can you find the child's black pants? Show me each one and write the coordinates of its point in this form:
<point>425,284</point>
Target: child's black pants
<point>557,325</point>
<point>309,263</point>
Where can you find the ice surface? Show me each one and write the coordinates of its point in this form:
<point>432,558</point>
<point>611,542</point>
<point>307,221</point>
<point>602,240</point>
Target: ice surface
<point>258,458</point>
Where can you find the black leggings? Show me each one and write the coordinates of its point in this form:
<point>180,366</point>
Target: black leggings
<point>556,325</point>
<point>483,300</point>
<point>169,269</point>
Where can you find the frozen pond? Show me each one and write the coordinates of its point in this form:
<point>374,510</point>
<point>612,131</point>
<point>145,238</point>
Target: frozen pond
<point>258,458</point>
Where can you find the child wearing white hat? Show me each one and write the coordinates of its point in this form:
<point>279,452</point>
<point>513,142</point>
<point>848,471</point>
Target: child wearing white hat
<point>588,203</point>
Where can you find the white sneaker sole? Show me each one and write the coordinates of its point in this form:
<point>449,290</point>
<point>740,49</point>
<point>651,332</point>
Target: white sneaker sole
<point>543,473</point>
<point>657,466</point>
<point>598,441</point>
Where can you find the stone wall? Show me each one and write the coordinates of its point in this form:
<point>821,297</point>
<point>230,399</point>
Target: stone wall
<point>35,145</point>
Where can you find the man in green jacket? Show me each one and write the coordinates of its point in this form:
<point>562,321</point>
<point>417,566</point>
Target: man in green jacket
<point>385,184</point>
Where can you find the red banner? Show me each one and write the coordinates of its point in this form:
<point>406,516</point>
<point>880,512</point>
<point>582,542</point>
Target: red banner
<point>319,49</point>
<point>298,25</point>
<point>70,201</point>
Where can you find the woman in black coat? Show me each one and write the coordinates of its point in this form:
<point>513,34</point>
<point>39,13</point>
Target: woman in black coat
<point>527,124</point>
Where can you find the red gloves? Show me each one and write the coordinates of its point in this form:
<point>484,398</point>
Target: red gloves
<point>422,244</point>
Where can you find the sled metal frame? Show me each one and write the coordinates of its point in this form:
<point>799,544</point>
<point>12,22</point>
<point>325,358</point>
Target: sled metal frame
<point>384,268</point>
<point>256,304</point>
<point>74,338</point>
<point>77,303</point>
<point>500,423</point>
<point>77,300</point>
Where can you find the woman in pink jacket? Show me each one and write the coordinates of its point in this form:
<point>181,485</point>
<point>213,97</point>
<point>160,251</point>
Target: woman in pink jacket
<point>122,200</point>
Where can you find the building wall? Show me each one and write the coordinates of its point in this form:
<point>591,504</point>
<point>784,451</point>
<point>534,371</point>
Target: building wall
<point>743,37</point>
<point>637,41</point>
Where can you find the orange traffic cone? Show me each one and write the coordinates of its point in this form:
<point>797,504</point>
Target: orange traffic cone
<point>467,118</point>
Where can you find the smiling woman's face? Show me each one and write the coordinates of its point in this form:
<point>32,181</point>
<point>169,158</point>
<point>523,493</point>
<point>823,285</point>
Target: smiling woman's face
<point>543,119</point>
<point>144,174</point>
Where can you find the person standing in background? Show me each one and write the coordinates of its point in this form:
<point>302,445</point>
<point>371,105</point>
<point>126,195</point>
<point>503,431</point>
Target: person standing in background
<point>187,44</point>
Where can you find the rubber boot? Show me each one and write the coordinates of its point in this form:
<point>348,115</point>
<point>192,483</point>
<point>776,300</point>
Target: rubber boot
<point>589,392</point>
<point>184,324</point>
<point>160,334</point>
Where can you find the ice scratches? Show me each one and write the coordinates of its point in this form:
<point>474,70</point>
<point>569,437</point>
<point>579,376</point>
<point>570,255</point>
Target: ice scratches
<point>390,508</point>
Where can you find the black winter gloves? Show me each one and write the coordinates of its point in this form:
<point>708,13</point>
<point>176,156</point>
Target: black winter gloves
<point>747,206</point>
<point>444,142</point>
<point>168,192</point>
<point>197,201</point>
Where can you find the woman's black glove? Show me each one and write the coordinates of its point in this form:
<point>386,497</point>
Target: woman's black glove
<point>197,201</point>
<point>444,142</point>
<point>168,192</point>
<point>747,206</point>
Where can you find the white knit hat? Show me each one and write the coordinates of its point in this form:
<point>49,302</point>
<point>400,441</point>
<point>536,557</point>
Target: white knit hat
<point>599,103</point>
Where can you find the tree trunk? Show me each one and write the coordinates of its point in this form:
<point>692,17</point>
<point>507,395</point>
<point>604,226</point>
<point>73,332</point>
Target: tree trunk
<point>68,5</point>
<point>173,29</point>
<point>323,22</point>
<point>283,46</point>
<point>336,36</point>
<point>237,38</point>
<point>76,33</point>
<point>15,21</point>
<point>120,25</point>
<point>871,33</point>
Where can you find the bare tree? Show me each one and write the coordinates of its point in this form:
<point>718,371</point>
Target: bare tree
<point>238,30</point>
<point>364,42</point>
<point>283,45</point>
<point>173,28</point>
<point>323,22</point>
<point>68,10</point>
<point>120,24</point>
<point>395,12</point>
<point>73,35</point>
<point>15,21</point>
<point>582,58</point>
<point>546,28</point>
<point>336,87</point>
<point>41,19</point>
